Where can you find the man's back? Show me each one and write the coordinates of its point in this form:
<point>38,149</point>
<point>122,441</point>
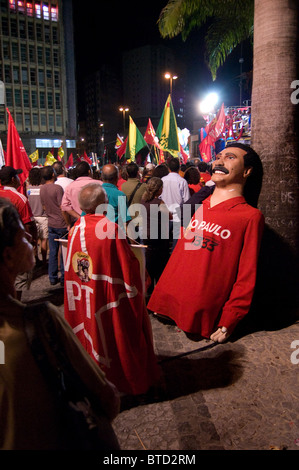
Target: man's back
<point>175,191</point>
<point>51,196</point>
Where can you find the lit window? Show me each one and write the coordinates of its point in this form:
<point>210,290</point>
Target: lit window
<point>21,6</point>
<point>54,13</point>
<point>46,11</point>
<point>38,13</point>
<point>12,4</point>
<point>29,9</point>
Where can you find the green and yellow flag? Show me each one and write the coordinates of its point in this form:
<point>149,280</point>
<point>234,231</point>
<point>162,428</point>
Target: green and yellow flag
<point>135,141</point>
<point>34,156</point>
<point>167,130</point>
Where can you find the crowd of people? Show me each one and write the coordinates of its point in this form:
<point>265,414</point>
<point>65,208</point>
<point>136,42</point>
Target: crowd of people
<point>177,241</point>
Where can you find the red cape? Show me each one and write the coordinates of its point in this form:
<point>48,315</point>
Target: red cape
<point>104,304</point>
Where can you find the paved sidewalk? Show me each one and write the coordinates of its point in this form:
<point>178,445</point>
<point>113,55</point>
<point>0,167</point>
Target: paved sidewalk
<point>241,395</point>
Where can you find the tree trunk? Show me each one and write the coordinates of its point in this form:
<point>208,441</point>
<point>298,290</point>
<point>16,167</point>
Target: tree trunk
<point>275,114</point>
<point>275,132</point>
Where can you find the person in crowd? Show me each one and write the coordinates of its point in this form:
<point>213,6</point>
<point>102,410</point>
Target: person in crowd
<point>175,192</point>
<point>70,204</point>
<point>51,196</point>
<point>219,252</point>
<point>40,217</point>
<point>117,201</point>
<point>192,176</point>
<point>155,232</point>
<point>133,187</point>
<point>10,183</point>
<point>122,176</point>
<point>62,179</point>
<point>30,418</point>
<point>147,172</point>
<point>205,175</point>
<point>104,301</point>
<point>161,170</point>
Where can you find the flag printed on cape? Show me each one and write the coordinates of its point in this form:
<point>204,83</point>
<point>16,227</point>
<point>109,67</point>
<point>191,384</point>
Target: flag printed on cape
<point>16,155</point>
<point>167,130</point>
<point>135,141</point>
<point>70,161</point>
<point>34,156</point>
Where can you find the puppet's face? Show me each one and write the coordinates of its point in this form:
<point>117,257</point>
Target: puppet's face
<point>229,168</point>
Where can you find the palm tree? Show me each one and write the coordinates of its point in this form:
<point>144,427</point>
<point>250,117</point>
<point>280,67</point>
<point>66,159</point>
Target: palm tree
<point>275,124</point>
<point>274,117</point>
<point>230,23</point>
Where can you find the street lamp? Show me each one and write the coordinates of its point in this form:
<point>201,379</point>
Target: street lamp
<point>170,78</point>
<point>124,111</point>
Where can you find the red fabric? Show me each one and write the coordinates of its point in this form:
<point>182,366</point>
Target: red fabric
<point>16,155</point>
<point>70,161</point>
<point>107,311</point>
<point>19,201</point>
<point>210,277</point>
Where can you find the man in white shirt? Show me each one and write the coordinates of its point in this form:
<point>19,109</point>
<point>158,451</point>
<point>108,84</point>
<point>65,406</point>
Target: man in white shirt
<point>62,179</point>
<point>175,192</point>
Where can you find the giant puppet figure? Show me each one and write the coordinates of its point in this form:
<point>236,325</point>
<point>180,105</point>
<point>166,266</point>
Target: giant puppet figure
<point>208,283</point>
<point>104,301</point>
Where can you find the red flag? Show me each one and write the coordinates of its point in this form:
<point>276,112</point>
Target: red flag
<point>150,135</point>
<point>214,129</point>
<point>205,150</point>
<point>16,155</point>
<point>122,149</point>
<point>184,154</point>
<point>86,158</point>
<point>70,161</point>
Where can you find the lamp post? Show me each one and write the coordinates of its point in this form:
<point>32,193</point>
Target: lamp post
<point>170,78</point>
<point>124,111</point>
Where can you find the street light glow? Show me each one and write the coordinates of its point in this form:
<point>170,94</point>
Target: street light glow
<point>208,104</point>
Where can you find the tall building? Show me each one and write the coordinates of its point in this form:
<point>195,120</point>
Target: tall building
<point>37,68</point>
<point>102,98</point>
<point>145,87</point>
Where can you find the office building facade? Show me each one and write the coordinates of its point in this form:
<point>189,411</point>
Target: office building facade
<point>37,68</point>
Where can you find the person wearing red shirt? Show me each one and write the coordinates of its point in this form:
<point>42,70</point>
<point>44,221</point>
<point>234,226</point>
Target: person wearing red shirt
<point>10,183</point>
<point>208,283</point>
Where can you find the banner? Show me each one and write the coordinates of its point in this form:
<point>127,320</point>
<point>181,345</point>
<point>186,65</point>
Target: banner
<point>150,135</point>
<point>16,155</point>
<point>34,156</point>
<point>167,130</point>
<point>135,141</point>
<point>70,161</point>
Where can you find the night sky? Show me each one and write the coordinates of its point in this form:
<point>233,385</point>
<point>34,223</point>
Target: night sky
<point>104,29</point>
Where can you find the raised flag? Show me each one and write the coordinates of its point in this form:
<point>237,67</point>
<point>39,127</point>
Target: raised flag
<point>60,154</point>
<point>167,130</point>
<point>213,131</point>
<point>86,158</point>
<point>50,159</point>
<point>16,155</point>
<point>119,142</point>
<point>122,149</point>
<point>34,156</point>
<point>135,141</point>
<point>70,161</point>
<point>150,135</point>
<point>2,155</point>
